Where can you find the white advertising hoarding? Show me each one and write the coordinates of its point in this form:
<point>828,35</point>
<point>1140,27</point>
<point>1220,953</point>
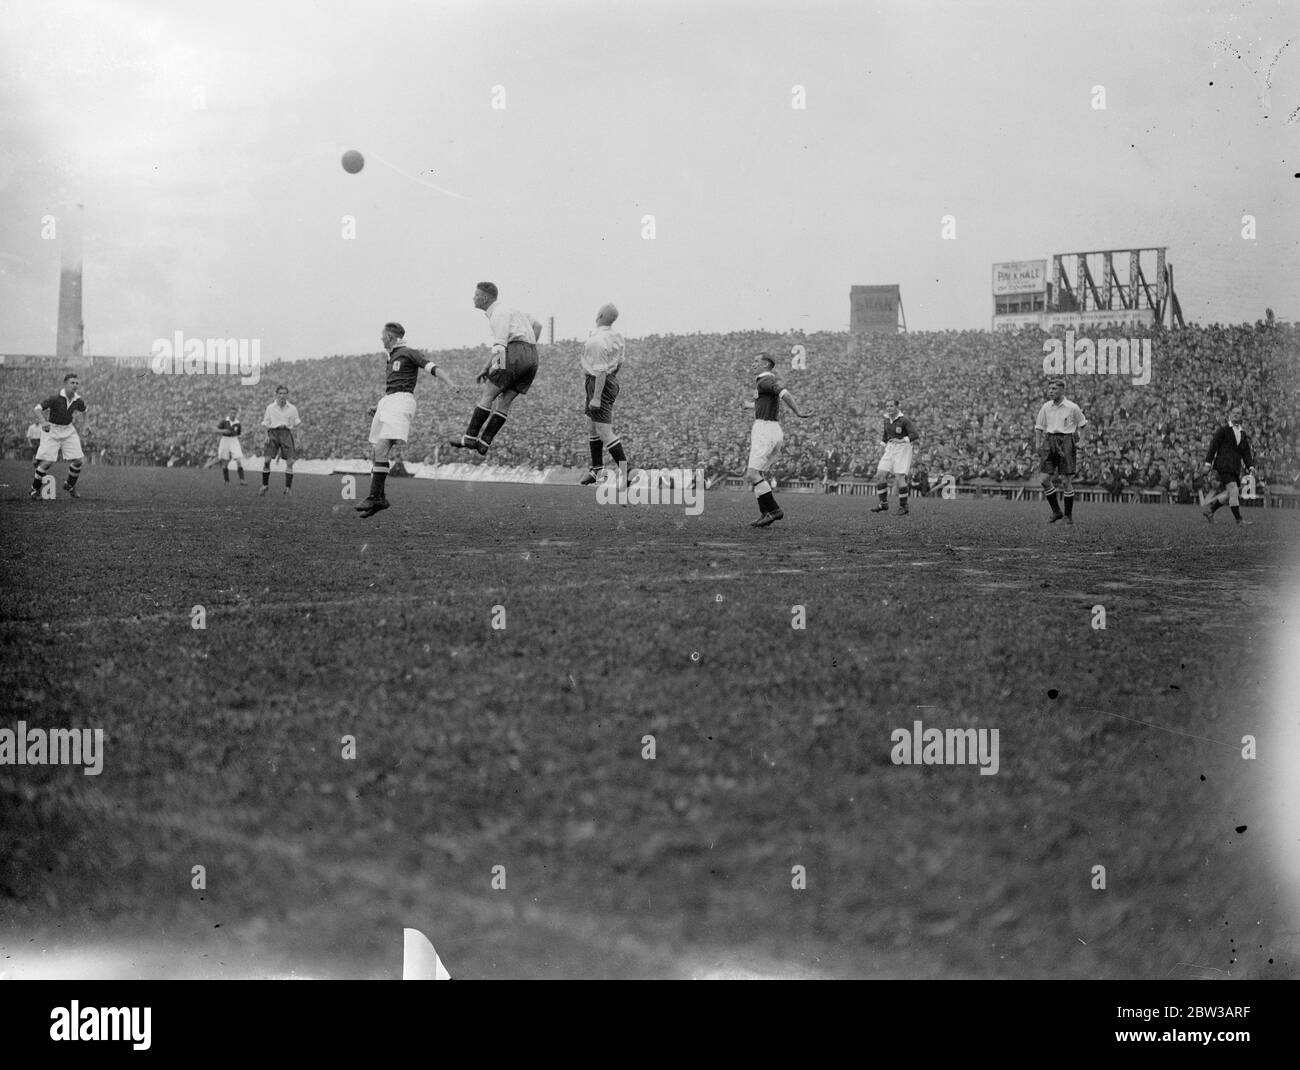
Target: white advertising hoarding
<point>1020,277</point>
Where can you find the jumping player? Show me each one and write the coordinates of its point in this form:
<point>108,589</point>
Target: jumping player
<point>59,434</point>
<point>602,357</point>
<point>898,438</point>
<point>391,423</point>
<point>508,373</point>
<point>1056,434</point>
<point>766,437</point>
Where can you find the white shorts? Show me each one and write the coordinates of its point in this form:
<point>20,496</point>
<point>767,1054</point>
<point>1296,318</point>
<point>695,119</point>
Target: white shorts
<point>229,449</point>
<point>60,437</point>
<point>393,417</point>
<point>765,444</point>
<point>897,458</point>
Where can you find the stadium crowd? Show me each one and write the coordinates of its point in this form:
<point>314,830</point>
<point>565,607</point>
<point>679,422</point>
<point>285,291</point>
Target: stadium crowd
<point>687,401</point>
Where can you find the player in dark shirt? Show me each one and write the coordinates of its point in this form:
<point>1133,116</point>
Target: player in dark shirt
<point>391,418</point>
<point>766,437</point>
<point>1228,455</point>
<point>229,448</point>
<point>59,433</point>
<point>899,437</point>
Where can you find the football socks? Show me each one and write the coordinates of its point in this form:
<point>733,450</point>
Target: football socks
<point>378,477</point>
<point>766,499</point>
<point>476,419</point>
<point>494,424</point>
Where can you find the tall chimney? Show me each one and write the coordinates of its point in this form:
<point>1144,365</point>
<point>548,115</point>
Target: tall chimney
<point>71,344</point>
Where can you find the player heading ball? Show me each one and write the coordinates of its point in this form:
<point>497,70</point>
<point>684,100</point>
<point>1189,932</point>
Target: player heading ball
<point>508,373</point>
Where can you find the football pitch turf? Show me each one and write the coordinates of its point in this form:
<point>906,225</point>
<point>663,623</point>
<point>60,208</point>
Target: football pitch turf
<point>523,746</point>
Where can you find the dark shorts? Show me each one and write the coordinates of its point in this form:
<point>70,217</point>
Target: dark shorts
<point>279,442</point>
<point>1059,458</point>
<point>519,369</point>
<point>1225,477</point>
<point>604,414</point>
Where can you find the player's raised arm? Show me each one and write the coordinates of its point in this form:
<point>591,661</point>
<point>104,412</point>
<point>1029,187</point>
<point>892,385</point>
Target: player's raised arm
<point>438,373</point>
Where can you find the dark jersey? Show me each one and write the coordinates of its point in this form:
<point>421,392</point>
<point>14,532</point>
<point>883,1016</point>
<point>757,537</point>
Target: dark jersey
<point>404,364</point>
<point>899,427</point>
<point>768,402</point>
<point>61,409</point>
<point>230,430</point>
<point>1227,454</point>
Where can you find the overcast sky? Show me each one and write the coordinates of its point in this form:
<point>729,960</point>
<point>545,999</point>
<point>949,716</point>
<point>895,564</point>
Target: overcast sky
<point>204,141</point>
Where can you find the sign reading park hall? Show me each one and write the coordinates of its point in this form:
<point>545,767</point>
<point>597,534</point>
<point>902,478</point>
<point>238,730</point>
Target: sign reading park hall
<point>1020,277</point>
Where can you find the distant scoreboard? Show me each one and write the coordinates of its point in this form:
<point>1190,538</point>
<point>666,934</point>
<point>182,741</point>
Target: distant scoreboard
<point>875,309</point>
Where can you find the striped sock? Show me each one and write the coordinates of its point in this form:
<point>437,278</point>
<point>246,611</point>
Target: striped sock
<point>766,499</point>
<point>616,451</point>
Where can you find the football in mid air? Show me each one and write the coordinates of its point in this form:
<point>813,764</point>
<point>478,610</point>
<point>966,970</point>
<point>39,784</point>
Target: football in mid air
<point>353,161</point>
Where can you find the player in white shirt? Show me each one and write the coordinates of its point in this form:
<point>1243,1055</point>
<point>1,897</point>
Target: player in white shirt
<point>1056,433</point>
<point>280,420</point>
<point>508,373</point>
<point>602,358</point>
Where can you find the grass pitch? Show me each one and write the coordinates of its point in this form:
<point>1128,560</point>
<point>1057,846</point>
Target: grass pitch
<point>522,747</point>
